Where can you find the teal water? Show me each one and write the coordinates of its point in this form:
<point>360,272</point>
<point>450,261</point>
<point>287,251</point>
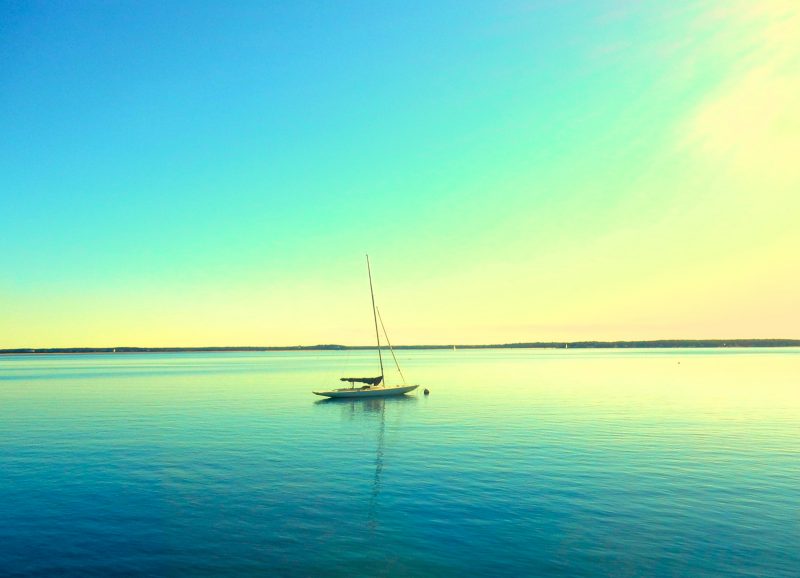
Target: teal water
<point>520,462</point>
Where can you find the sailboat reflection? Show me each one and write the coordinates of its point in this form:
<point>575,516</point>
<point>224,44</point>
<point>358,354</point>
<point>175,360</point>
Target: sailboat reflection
<point>371,408</point>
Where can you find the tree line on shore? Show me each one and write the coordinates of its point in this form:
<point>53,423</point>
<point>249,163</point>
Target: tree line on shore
<point>659,343</point>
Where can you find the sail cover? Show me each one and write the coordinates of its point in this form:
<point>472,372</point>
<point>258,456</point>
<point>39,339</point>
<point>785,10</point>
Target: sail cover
<point>367,380</point>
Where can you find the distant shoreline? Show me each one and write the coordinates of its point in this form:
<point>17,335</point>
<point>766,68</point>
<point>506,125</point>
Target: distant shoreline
<point>654,344</point>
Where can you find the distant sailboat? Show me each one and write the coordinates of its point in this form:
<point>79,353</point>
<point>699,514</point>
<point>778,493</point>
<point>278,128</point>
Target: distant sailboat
<point>373,386</point>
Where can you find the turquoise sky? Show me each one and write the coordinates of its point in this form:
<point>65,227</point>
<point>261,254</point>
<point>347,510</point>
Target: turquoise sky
<point>213,173</point>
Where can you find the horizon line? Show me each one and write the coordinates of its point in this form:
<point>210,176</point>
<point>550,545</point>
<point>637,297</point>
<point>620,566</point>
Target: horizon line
<point>582,344</point>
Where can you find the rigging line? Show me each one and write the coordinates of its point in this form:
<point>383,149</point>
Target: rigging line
<point>375,317</point>
<point>400,371</point>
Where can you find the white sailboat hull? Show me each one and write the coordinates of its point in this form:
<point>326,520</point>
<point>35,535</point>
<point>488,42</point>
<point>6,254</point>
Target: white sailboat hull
<point>368,391</point>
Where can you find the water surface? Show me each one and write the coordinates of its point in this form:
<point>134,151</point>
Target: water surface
<point>520,462</point>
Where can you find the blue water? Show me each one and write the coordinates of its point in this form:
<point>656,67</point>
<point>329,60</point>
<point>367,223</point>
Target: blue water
<point>534,462</point>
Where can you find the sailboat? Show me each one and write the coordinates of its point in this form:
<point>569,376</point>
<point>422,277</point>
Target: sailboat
<point>373,386</point>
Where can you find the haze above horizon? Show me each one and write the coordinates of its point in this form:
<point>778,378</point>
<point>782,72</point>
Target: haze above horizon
<point>518,172</point>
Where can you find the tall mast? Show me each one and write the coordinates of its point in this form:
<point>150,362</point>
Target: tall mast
<point>375,317</point>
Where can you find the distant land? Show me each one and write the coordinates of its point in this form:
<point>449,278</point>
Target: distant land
<point>660,343</point>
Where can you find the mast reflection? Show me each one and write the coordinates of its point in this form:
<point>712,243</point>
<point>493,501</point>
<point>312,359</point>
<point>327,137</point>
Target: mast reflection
<point>371,408</point>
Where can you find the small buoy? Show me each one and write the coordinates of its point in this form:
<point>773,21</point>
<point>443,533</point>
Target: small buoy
<point>426,391</point>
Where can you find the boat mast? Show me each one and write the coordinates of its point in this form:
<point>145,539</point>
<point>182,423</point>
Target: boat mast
<point>375,318</point>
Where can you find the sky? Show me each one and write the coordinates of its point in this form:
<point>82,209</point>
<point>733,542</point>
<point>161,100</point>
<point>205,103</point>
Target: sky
<point>213,173</point>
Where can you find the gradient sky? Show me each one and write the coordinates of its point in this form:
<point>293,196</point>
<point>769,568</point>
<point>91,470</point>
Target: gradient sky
<point>212,173</point>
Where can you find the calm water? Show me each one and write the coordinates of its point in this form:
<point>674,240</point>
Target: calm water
<point>549,463</point>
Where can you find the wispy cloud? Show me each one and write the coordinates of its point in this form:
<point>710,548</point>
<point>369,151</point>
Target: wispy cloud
<point>750,123</point>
